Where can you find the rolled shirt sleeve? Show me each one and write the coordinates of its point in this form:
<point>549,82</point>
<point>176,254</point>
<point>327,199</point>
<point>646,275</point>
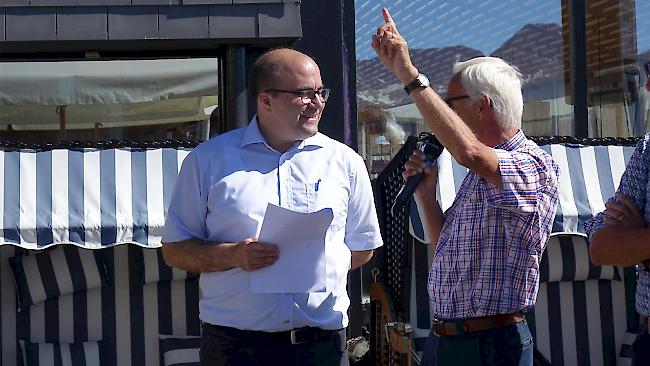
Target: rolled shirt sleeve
<point>361,227</point>
<point>525,180</point>
<point>188,205</point>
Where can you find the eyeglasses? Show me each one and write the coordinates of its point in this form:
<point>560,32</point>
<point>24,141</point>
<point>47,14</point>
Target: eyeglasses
<point>307,95</point>
<point>448,100</point>
<point>646,67</point>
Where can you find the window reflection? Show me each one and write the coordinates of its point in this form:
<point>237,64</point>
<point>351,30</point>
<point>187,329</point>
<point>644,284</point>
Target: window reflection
<point>618,44</point>
<point>380,137</point>
<point>527,34</point>
<point>93,100</point>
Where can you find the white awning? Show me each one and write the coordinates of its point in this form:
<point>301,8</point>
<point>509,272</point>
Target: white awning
<point>110,93</point>
<point>106,82</point>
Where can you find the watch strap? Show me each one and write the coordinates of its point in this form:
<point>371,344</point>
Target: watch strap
<point>420,81</point>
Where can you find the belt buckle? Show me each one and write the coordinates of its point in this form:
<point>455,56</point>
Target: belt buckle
<point>439,327</point>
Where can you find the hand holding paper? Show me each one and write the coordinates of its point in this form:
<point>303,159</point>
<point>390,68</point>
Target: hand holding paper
<point>253,255</point>
<point>300,238</point>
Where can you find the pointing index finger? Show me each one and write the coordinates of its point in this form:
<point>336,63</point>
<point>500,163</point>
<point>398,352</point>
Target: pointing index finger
<point>387,18</point>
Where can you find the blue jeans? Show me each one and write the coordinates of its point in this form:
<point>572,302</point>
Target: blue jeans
<point>511,345</point>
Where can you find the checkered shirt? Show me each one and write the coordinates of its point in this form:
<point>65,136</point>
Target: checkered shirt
<point>487,259</point>
<point>635,184</point>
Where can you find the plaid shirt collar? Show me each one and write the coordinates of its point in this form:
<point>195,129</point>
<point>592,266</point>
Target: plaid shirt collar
<point>514,143</point>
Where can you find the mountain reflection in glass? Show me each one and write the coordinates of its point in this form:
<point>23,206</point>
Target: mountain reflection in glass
<point>533,35</point>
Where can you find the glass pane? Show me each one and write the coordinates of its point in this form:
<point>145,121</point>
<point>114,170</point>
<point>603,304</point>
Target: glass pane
<point>529,34</point>
<point>142,100</point>
<point>618,46</point>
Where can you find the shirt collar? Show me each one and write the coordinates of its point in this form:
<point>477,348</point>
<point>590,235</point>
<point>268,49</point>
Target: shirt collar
<point>252,135</point>
<point>514,143</point>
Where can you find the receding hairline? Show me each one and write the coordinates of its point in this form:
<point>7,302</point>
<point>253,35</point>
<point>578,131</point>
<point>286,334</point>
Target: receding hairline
<point>271,66</point>
<point>283,57</point>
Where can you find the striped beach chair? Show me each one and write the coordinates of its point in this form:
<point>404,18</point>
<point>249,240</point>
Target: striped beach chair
<point>81,274</point>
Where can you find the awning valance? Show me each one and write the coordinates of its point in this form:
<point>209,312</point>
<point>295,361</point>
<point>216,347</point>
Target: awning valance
<point>89,197</point>
<point>118,93</point>
<point>589,176</point>
<point>106,82</point>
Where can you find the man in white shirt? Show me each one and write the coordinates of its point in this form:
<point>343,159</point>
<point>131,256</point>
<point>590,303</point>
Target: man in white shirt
<point>217,209</point>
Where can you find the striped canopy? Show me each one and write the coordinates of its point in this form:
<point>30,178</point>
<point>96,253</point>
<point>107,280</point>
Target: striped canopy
<point>101,197</point>
<point>589,176</point>
<point>93,198</point>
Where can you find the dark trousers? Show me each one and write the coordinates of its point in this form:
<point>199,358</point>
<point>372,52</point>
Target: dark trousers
<point>511,345</point>
<point>641,350</point>
<point>234,347</point>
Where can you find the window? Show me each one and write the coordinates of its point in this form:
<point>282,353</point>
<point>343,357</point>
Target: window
<point>618,46</point>
<point>100,100</point>
<point>528,34</point>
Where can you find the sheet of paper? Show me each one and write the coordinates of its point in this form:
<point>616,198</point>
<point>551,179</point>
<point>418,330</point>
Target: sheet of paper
<point>300,237</point>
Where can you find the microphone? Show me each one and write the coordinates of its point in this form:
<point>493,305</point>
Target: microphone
<point>432,148</point>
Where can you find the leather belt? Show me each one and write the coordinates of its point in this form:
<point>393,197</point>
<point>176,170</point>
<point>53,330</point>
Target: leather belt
<point>295,336</point>
<point>462,326</point>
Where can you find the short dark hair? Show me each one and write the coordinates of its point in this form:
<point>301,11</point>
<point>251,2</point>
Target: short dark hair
<point>264,72</point>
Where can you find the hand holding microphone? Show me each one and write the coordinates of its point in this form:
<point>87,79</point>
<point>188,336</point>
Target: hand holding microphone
<point>419,166</point>
<point>422,170</point>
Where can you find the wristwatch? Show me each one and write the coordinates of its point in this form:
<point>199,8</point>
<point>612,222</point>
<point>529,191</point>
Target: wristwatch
<point>421,81</point>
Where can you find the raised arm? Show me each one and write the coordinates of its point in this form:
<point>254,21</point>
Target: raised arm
<point>448,127</point>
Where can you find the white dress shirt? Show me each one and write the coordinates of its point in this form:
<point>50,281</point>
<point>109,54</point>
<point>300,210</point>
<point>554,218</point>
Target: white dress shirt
<point>221,195</point>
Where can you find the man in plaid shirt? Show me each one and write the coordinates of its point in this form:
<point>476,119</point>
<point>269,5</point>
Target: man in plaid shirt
<point>488,244</point>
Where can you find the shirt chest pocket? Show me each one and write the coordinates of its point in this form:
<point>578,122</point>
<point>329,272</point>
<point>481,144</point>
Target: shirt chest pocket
<point>311,196</point>
<point>319,196</point>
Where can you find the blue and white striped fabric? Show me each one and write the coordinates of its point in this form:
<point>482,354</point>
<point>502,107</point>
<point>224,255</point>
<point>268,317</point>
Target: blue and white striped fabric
<point>127,316</point>
<point>151,270</point>
<point>72,354</point>
<point>180,350</point>
<point>89,197</point>
<point>589,176</point>
<point>60,271</point>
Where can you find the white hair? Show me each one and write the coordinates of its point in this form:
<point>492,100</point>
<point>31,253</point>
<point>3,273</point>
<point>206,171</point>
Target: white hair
<point>496,79</point>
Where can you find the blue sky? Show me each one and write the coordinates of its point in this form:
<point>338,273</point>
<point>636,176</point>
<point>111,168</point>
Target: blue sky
<point>479,24</point>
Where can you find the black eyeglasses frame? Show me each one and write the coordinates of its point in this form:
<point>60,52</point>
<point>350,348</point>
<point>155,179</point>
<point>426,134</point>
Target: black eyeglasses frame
<point>448,100</point>
<point>306,95</point>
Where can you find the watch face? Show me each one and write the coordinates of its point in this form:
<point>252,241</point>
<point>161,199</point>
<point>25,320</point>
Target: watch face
<point>424,81</point>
